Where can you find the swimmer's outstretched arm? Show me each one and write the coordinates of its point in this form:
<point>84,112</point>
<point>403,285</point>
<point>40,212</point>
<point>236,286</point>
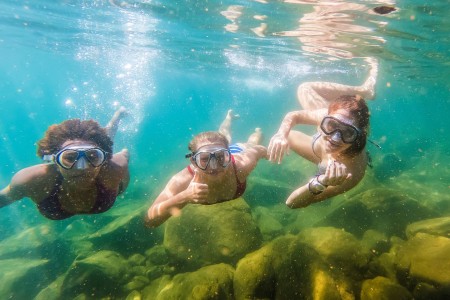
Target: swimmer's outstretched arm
<point>5,198</point>
<point>279,145</point>
<point>113,124</point>
<point>336,181</point>
<point>18,188</point>
<point>181,190</point>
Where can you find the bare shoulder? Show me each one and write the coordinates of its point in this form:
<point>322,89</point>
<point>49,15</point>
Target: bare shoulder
<point>33,181</point>
<point>36,173</point>
<point>180,179</point>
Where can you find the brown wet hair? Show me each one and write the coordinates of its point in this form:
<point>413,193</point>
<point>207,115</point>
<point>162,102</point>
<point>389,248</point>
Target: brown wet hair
<point>74,129</point>
<point>357,108</point>
<point>211,137</point>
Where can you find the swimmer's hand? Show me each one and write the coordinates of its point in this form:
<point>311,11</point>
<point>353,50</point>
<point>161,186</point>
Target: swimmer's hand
<point>335,174</point>
<point>125,153</point>
<point>278,148</point>
<point>197,192</point>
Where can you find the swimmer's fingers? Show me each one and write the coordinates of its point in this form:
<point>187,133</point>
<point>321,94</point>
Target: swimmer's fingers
<point>330,173</point>
<point>199,192</point>
<point>278,147</point>
<point>335,174</point>
<point>341,173</point>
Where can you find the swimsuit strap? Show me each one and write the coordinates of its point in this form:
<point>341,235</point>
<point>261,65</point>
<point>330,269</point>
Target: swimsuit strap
<point>315,138</point>
<point>240,186</point>
<point>190,170</point>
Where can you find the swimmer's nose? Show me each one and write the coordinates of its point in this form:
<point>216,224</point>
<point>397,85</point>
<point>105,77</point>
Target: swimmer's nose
<point>213,163</point>
<point>336,137</point>
<point>81,164</point>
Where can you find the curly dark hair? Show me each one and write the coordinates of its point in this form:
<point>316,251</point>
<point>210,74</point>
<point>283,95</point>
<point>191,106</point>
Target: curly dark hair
<point>208,136</point>
<point>358,109</point>
<point>74,129</point>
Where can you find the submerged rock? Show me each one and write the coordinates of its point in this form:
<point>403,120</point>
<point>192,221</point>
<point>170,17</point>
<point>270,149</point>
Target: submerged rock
<point>98,275</point>
<point>318,263</point>
<point>211,282</point>
<point>32,240</point>
<point>436,226</point>
<point>126,233</point>
<point>19,272</point>
<point>381,288</point>
<point>378,209</point>
<point>210,234</point>
<point>425,258</point>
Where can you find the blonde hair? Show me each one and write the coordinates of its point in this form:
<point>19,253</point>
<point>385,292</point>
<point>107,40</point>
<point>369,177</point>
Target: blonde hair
<point>207,136</point>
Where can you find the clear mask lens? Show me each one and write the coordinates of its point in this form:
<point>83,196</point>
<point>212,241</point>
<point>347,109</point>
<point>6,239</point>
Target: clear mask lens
<point>67,158</point>
<point>336,137</point>
<point>347,133</point>
<point>220,157</point>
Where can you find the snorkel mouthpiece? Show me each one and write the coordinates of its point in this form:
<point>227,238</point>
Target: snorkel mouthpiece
<point>81,164</point>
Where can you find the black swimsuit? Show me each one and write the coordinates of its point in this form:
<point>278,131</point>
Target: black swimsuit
<point>50,207</point>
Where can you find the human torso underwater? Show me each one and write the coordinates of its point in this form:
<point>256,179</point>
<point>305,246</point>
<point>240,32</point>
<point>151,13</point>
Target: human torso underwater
<point>222,187</point>
<point>77,195</point>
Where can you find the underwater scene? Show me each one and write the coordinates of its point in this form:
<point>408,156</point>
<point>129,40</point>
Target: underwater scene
<point>297,214</point>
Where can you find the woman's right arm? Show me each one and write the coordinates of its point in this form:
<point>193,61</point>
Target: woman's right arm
<point>19,187</point>
<point>279,145</point>
<point>30,182</point>
<point>181,190</point>
<point>6,197</point>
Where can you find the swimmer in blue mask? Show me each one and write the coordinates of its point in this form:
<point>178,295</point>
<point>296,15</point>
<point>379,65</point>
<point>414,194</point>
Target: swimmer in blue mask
<point>81,175</point>
<point>342,119</point>
<point>217,172</point>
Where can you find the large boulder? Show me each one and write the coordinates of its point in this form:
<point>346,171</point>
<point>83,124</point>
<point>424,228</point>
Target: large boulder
<point>425,258</point>
<point>380,209</point>
<point>210,234</point>
<point>19,272</point>
<point>318,263</point>
<point>382,288</point>
<point>31,241</point>
<point>99,275</point>
<point>126,233</point>
<point>436,226</point>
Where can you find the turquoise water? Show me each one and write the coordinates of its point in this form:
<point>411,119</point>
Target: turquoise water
<point>178,67</point>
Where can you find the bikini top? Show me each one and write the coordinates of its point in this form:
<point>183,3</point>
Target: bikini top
<point>321,168</point>
<point>240,186</point>
<point>51,208</point>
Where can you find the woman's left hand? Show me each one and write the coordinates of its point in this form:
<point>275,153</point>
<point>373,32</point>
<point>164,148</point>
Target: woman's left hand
<point>335,174</point>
